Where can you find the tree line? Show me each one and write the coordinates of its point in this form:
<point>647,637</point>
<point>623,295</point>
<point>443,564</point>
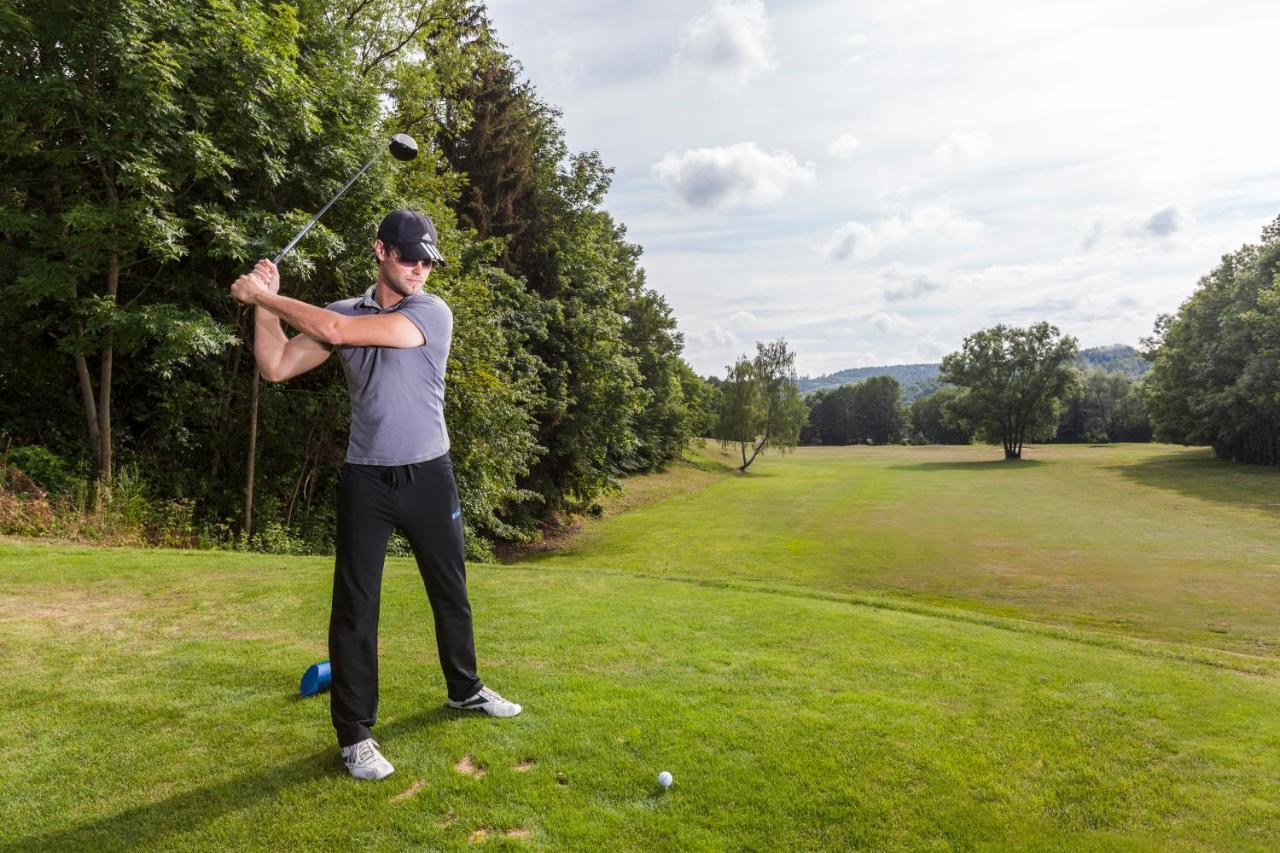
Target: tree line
<point>1005,386</point>
<point>1215,377</point>
<point>150,153</point>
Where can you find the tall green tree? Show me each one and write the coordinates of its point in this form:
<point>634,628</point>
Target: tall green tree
<point>1216,373</point>
<point>761,404</point>
<point>1013,381</point>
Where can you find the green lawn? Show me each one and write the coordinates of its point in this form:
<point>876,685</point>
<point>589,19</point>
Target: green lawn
<point>1139,540</point>
<point>801,693</point>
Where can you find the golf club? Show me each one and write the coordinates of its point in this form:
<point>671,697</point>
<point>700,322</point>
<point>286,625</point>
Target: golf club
<point>402,147</point>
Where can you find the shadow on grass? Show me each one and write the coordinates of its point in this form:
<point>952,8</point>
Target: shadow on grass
<point>1203,477</point>
<point>993,465</point>
<point>156,824</point>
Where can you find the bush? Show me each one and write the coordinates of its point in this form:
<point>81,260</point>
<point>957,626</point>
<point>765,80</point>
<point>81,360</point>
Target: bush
<point>45,468</point>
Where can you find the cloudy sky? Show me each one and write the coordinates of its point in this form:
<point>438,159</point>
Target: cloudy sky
<point>873,181</point>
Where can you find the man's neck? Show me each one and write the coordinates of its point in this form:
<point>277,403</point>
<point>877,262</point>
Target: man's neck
<point>385,296</point>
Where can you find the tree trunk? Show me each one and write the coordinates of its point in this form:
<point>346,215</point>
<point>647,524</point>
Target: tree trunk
<point>247,527</point>
<point>746,462</point>
<point>90,407</point>
<point>104,381</point>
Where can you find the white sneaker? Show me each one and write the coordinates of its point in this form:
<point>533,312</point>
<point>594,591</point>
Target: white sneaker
<point>365,762</point>
<point>489,702</point>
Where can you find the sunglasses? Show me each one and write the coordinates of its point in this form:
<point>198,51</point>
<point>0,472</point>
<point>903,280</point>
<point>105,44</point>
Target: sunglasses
<point>408,264</point>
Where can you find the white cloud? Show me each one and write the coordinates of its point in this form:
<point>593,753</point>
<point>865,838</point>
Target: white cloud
<point>1159,227</point>
<point>964,146</point>
<point>912,288</point>
<point>926,226</point>
<point>732,41</point>
<point>731,176</point>
<point>891,324</point>
<point>845,145</point>
<point>852,48</point>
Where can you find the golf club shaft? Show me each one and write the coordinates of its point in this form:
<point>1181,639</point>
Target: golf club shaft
<point>316,218</point>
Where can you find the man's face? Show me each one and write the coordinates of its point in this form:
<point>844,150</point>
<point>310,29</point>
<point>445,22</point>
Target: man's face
<point>402,276</point>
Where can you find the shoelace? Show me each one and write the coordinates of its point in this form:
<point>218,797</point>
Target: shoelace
<point>490,695</point>
<point>365,751</point>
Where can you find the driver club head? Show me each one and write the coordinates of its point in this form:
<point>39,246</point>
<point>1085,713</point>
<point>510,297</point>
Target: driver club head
<point>403,147</point>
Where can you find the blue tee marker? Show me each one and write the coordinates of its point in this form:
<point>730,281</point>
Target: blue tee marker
<point>316,679</point>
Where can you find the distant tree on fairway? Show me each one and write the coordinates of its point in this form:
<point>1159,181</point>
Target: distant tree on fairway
<point>760,404</point>
<point>935,420</point>
<point>877,414</point>
<point>1013,380</point>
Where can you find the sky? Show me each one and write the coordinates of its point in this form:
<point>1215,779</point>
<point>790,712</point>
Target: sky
<point>874,181</point>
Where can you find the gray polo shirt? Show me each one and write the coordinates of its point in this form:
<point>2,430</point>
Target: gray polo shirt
<point>397,394</point>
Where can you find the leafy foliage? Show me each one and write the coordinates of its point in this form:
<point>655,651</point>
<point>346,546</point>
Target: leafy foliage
<point>760,404</point>
<point>1216,373</point>
<point>936,419</point>
<point>153,151</point>
<point>1106,406</point>
<point>869,412</point>
<point>1013,381</point>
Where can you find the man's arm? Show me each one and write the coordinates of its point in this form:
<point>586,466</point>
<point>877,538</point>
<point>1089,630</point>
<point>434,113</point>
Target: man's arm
<point>278,357</point>
<point>327,327</point>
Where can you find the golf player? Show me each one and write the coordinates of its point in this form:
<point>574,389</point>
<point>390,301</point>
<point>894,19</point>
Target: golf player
<point>393,342</point>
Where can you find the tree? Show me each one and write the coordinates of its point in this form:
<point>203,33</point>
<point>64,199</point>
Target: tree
<point>866,412</point>
<point>1216,373</point>
<point>761,404</point>
<point>935,420</point>
<point>1013,380</point>
<point>876,411</point>
<point>1106,406</point>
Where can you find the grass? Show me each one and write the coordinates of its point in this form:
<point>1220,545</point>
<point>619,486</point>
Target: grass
<point>152,693</point>
<point>1138,540</point>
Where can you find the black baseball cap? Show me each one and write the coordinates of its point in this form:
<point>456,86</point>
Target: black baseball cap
<point>413,234</point>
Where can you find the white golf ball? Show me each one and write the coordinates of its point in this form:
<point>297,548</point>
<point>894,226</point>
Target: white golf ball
<point>664,779</point>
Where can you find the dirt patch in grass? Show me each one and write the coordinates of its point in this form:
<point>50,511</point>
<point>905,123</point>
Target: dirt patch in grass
<point>523,766</point>
<point>519,832</point>
<point>470,767</point>
<point>408,792</point>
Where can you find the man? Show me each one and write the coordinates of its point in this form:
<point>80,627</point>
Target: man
<point>393,342</point>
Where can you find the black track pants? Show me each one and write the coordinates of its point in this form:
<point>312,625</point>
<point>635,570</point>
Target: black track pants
<point>422,501</point>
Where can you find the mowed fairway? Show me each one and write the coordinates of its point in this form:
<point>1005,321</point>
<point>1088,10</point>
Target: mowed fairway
<point>761,637</point>
<point>1146,541</point>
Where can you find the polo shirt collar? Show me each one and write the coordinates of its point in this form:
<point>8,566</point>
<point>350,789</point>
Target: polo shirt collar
<point>367,301</point>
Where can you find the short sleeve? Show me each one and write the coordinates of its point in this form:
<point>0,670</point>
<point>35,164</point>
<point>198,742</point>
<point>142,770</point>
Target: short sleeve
<point>432,317</point>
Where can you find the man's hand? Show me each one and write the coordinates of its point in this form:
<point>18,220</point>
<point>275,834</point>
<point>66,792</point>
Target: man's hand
<point>247,287</point>
<point>267,271</point>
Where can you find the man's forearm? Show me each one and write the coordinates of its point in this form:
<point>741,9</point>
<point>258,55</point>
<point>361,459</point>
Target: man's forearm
<point>269,339</point>
<point>319,324</point>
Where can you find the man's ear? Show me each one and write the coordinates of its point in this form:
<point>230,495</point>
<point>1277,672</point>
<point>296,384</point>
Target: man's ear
<point>379,251</point>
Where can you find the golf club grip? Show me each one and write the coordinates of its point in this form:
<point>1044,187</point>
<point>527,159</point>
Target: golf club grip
<point>316,218</point>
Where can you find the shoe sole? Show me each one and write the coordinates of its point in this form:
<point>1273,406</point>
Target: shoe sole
<point>355,775</point>
<point>482,710</point>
